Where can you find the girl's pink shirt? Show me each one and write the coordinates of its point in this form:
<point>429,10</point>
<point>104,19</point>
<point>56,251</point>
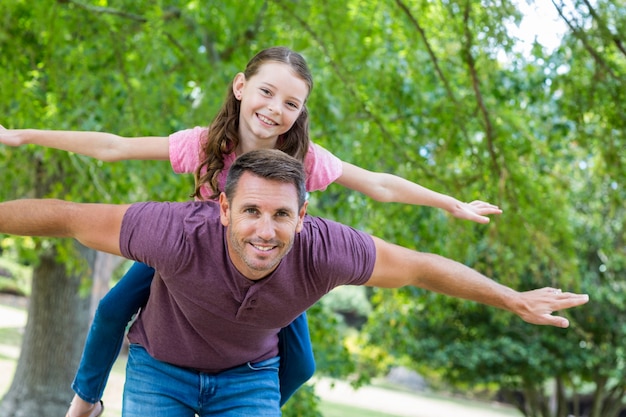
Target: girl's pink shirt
<point>322,167</point>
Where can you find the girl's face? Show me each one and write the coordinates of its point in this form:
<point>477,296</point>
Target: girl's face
<point>271,101</point>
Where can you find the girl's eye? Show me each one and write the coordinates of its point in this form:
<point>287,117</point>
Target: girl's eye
<point>265,91</point>
<point>292,105</point>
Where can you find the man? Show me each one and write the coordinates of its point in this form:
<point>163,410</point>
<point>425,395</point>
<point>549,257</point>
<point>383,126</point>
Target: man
<point>231,274</point>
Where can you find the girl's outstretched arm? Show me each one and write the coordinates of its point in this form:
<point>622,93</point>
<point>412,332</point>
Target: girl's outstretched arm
<point>391,188</point>
<point>104,146</point>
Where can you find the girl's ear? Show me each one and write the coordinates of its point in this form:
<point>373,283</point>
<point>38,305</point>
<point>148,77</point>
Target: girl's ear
<point>238,84</point>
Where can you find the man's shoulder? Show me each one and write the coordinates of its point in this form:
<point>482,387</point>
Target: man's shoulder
<point>336,252</point>
<point>154,218</point>
<point>179,205</point>
<point>329,228</point>
<point>314,222</point>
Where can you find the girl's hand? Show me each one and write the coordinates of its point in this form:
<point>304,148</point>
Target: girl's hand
<point>475,211</point>
<point>9,137</point>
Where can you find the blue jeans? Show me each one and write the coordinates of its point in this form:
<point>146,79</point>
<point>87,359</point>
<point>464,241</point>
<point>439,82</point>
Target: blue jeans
<point>154,388</point>
<point>117,308</point>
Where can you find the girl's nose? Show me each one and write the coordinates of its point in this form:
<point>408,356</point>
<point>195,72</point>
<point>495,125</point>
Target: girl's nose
<point>274,107</point>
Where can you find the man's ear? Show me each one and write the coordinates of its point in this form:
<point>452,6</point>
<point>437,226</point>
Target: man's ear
<point>301,215</point>
<point>224,209</point>
<point>238,84</point>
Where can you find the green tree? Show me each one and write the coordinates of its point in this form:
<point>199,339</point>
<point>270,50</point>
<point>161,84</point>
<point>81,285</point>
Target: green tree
<point>557,125</point>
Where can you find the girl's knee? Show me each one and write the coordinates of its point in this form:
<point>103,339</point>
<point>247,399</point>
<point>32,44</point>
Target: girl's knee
<point>111,311</point>
<point>307,369</point>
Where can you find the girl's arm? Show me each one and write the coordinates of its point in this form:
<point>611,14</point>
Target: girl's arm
<point>391,188</point>
<point>104,146</point>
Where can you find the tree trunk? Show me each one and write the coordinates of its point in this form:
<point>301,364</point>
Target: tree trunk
<point>55,331</point>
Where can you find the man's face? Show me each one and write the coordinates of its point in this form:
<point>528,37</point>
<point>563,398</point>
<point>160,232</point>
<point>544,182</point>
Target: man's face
<point>262,220</point>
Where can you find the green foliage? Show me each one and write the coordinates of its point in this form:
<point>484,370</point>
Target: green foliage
<point>331,355</point>
<point>304,403</point>
<point>563,201</point>
<point>14,277</point>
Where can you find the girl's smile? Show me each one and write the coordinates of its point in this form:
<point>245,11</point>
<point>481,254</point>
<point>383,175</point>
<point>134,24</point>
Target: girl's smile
<point>271,102</point>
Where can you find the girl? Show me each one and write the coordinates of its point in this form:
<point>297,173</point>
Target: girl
<point>265,108</point>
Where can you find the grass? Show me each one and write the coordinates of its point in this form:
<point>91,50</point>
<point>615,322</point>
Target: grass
<point>330,409</point>
<point>10,336</point>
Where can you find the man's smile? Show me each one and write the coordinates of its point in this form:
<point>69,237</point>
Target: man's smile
<point>263,248</point>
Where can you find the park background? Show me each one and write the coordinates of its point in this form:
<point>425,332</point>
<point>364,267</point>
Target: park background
<point>443,93</point>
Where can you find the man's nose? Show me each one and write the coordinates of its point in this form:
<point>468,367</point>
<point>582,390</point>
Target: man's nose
<point>265,228</point>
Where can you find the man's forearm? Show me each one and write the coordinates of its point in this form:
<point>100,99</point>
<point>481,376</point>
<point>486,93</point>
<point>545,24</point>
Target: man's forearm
<point>31,217</point>
<point>396,266</point>
<point>95,225</point>
<point>446,276</point>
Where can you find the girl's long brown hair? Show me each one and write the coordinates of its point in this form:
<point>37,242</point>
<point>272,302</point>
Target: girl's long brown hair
<point>223,133</point>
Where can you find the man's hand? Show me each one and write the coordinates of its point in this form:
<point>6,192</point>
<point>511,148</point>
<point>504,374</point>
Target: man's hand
<point>537,306</point>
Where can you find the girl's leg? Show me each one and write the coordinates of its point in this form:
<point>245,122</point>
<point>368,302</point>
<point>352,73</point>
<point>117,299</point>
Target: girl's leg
<point>107,331</point>
<point>297,364</point>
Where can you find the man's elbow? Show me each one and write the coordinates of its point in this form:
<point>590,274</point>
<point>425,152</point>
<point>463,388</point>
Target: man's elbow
<point>101,246</point>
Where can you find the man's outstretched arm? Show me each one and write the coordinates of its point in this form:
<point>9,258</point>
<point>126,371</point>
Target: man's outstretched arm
<point>94,225</point>
<point>397,267</point>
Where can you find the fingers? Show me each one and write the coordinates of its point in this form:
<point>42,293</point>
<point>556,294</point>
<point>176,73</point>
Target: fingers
<point>476,211</point>
<point>479,219</point>
<point>568,300</point>
<point>545,301</point>
<point>481,203</point>
<point>557,321</point>
<point>559,300</point>
<point>483,207</point>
